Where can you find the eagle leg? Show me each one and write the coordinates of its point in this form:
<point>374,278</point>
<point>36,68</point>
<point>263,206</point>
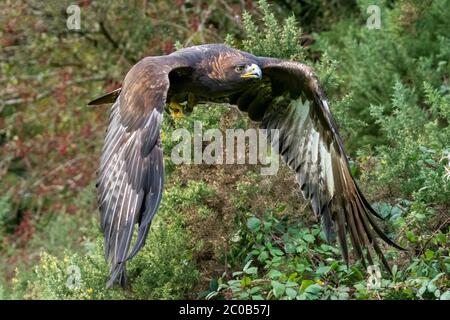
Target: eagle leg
<point>258,106</point>
<point>192,101</point>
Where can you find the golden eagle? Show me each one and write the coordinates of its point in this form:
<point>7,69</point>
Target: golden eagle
<point>131,175</point>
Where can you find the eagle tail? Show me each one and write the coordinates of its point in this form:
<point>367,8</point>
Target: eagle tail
<point>110,97</point>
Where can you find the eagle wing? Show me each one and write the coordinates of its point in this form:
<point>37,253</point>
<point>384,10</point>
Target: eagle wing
<point>308,140</point>
<point>131,174</point>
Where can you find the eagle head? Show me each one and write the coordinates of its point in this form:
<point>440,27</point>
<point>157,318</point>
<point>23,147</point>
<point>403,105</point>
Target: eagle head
<point>226,73</point>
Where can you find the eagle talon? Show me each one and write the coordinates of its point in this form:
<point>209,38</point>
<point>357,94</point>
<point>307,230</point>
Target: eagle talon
<point>176,110</point>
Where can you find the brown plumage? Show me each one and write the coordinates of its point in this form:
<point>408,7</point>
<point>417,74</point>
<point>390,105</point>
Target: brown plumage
<point>279,94</point>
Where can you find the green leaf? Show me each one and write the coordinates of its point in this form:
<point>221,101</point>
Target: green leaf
<point>291,293</point>
<point>436,278</point>
<point>410,236</point>
<point>278,288</point>
<point>445,295</point>
<point>263,256</point>
<point>291,284</point>
<point>274,274</point>
<point>293,276</point>
<point>213,284</point>
<point>276,252</point>
<point>431,287</point>
<point>429,254</point>
<point>313,289</point>
<point>309,238</point>
<point>421,291</point>
<point>252,270</point>
<point>253,224</point>
<point>247,265</point>
<point>305,284</point>
<point>323,270</point>
<point>234,283</point>
<point>289,248</point>
<point>246,281</point>
<point>255,290</point>
<point>343,295</point>
<point>394,270</point>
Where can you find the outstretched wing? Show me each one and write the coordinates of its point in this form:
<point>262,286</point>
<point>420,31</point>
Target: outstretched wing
<point>309,142</point>
<point>130,179</point>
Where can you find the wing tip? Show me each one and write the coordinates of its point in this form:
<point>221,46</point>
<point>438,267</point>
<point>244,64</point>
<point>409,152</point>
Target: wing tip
<point>118,275</point>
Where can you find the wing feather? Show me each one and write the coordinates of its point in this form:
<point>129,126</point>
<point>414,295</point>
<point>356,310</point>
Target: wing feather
<point>131,174</point>
<point>310,144</point>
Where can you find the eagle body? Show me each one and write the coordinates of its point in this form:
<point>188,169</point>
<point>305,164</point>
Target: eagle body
<point>279,94</point>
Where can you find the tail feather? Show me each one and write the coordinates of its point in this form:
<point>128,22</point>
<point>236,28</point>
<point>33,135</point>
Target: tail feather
<point>110,97</point>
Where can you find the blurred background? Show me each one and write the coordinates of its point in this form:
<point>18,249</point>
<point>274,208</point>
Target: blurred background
<point>223,231</point>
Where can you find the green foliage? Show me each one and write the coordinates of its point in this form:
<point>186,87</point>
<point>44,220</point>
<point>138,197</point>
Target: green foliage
<point>208,116</point>
<point>72,277</point>
<point>162,270</point>
<point>280,262</point>
<point>417,155</point>
<point>411,47</point>
<point>274,40</point>
<point>287,261</point>
<point>165,269</point>
<point>5,210</point>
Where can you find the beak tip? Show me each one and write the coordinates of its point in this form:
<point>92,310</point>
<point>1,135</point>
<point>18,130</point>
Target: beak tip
<point>253,71</point>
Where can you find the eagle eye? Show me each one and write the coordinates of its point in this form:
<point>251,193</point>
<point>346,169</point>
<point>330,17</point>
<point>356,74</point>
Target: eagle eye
<point>239,68</point>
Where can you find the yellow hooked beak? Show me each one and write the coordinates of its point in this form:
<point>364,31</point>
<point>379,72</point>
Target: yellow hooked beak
<point>252,71</point>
